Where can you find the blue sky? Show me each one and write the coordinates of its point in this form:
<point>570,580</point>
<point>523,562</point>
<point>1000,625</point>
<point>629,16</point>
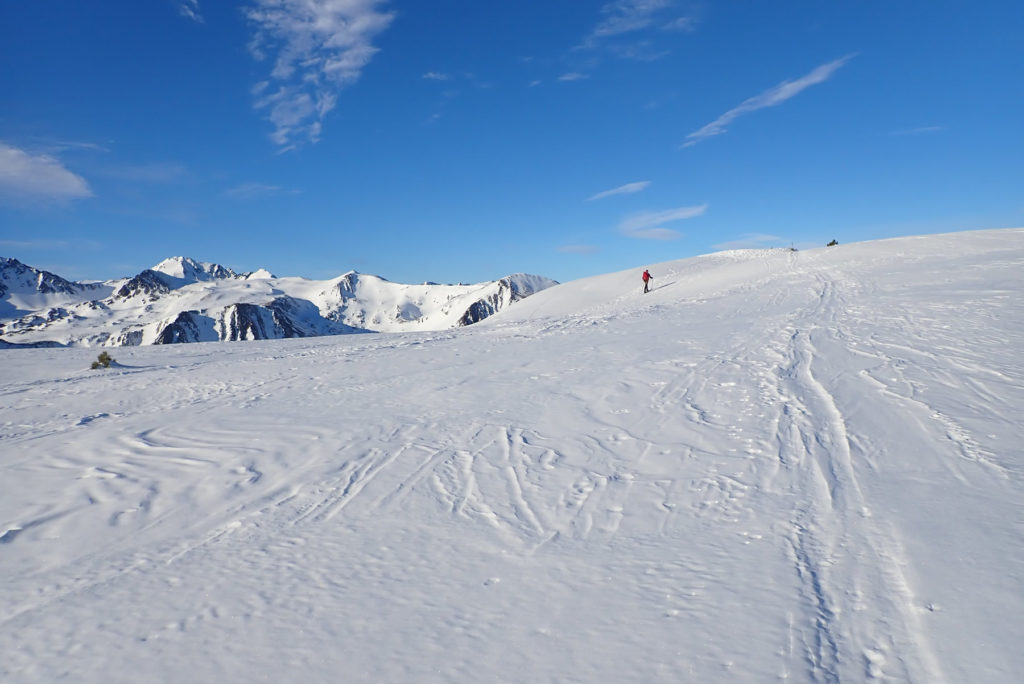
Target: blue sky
<point>460,140</point>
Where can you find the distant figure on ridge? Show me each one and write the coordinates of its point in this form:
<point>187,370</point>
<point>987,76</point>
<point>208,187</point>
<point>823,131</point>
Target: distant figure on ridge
<point>647,280</point>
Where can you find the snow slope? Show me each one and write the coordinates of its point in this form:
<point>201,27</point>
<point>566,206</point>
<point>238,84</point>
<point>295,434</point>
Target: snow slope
<point>776,466</point>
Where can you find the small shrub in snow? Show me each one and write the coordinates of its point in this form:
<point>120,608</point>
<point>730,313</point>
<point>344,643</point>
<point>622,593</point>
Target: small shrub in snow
<point>103,361</point>
<point>832,244</point>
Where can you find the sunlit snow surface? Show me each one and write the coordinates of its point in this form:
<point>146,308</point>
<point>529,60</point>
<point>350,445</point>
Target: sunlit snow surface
<point>776,466</point>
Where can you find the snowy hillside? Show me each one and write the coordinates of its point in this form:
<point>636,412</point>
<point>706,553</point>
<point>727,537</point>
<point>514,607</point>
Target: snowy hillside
<point>776,466</point>
<point>183,300</point>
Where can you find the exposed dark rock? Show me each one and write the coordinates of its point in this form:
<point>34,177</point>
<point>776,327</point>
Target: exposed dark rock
<point>509,292</point>
<point>148,283</point>
<point>184,328</point>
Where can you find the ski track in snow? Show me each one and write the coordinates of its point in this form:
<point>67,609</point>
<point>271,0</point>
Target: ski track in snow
<point>730,479</point>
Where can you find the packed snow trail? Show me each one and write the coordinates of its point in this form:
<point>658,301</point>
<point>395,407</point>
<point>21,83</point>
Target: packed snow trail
<point>775,466</point>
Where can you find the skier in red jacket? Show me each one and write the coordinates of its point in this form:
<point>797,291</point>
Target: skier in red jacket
<point>647,280</point>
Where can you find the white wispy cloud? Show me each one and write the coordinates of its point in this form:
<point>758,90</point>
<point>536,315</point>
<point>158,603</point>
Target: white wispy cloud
<point>53,146</point>
<point>769,98</point>
<point>190,9</point>
<point>625,16</point>
<point>627,189</point>
<point>572,76</point>
<point>437,76</point>
<point>751,241</point>
<point>650,225</point>
<point>321,47</point>
<point>688,24</point>
<point>34,177</point>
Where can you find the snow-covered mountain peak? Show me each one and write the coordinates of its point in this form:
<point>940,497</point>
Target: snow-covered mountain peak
<point>190,270</point>
<point>24,289</point>
<point>17,277</point>
<point>260,274</point>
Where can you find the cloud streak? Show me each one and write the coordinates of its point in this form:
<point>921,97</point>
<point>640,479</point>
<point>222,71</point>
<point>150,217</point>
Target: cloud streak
<point>627,189</point>
<point>622,17</point>
<point>649,225</point>
<point>625,16</point>
<point>25,176</point>
<point>769,98</point>
<point>190,10</point>
<point>687,24</point>
<point>320,48</point>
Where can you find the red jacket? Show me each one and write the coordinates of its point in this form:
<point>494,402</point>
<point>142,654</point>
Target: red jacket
<point>647,276</point>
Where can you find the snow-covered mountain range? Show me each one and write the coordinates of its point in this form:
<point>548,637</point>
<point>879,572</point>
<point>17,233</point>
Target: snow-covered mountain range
<point>183,300</point>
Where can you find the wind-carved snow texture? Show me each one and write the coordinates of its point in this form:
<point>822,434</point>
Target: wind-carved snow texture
<point>775,466</point>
